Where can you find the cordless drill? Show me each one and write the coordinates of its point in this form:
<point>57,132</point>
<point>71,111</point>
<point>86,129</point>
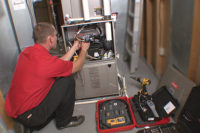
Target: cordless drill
<point>144,83</point>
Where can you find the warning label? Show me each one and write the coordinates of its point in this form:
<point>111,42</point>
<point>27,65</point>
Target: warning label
<point>18,4</point>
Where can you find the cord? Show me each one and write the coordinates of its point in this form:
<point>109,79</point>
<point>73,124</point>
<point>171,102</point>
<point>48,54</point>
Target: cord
<point>91,57</point>
<point>71,46</point>
<point>140,103</point>
<point>76,34</point>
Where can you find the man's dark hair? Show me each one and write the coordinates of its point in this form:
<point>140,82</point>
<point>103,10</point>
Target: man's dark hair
<point>42,30</point>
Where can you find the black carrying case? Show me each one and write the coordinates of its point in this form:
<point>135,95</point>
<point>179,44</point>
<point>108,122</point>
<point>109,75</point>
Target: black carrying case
<point>166,104</point>
<point>190,114</point>
<point>163,101</point>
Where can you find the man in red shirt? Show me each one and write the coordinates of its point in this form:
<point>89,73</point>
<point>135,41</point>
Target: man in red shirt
<point>42,87</point>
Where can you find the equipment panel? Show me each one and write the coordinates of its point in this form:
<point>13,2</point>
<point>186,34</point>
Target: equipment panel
<point>99,74</point>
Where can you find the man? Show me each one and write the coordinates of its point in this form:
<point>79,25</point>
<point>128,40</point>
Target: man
<point>42,87</point>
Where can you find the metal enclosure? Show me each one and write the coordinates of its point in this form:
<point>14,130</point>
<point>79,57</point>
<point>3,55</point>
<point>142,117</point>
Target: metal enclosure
<point>120,6</point>
<point>96,80</point>
<point>97,77</point>
<point>181,33</point>
<point>23,22</point>
<point>74,9</point>
<point>8,47</point>
<point>16,25</point>
<point>107,85</point>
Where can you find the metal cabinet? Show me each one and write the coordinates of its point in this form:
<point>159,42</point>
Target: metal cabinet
<point>98,76</point>
<point>97,79</point>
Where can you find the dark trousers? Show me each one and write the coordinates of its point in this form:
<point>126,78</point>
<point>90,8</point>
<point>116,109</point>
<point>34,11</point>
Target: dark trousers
<point>58,104</point>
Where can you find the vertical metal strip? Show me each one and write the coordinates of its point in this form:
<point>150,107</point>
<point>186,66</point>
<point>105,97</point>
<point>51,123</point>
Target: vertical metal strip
<point>12,25</point>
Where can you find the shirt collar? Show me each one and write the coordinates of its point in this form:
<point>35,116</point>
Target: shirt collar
<point>40,47</point>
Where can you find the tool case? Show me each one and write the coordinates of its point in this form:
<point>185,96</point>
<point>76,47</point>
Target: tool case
<point>165,106</point>
<point>139,122</point>
<point>113,115</point>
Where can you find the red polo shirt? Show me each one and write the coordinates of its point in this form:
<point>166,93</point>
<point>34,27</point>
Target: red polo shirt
<point>34,75</point>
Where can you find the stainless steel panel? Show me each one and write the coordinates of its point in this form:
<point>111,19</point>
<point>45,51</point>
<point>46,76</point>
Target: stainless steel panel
<point>23,25</point>
<point>66,8</point>
<point>120,6</point>
<point>77,10</point>
<point>181,33</point>
<point>97,79</point>
<point>93,4</point>
<point>74,8</point>
<point>8,48</point>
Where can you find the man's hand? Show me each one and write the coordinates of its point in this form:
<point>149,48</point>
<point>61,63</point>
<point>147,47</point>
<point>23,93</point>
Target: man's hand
<point>76,45</point>
<point>78,64</point>
<point>85,46</point>
<point>71,51</point>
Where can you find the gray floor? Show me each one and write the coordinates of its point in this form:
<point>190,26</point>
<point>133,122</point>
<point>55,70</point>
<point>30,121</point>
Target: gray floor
<point>89,110</point>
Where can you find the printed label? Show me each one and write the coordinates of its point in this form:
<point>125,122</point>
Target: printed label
<point>174,85</point>
<point>18,4</point>
<point>169,107</point>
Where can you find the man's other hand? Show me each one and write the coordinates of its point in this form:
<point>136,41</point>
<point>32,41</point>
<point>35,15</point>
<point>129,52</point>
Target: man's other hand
<point>85,46</point>
<point>77,45</point>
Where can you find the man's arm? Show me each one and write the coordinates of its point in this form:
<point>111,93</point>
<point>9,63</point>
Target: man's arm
<point>78,64</point>
<point>71,51</point>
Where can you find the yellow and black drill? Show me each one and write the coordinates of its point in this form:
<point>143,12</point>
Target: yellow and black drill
<point>144,82</point>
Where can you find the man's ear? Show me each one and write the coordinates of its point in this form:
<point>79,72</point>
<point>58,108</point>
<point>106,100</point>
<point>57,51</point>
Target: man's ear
<point>49,39</point>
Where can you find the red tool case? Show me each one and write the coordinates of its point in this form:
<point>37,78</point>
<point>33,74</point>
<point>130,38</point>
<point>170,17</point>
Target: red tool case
<point>129,126</point>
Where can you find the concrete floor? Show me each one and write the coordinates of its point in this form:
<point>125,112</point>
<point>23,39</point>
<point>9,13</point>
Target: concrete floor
<point>89,110</point>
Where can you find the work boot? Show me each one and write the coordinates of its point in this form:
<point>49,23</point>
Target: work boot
<point>75,121</point>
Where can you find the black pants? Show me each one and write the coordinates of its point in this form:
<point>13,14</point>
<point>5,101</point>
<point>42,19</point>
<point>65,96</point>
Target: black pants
<point>58,104</point>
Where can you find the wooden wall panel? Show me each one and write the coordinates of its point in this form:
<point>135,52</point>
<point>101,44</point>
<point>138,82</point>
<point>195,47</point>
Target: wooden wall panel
<point>197,76</point>
<point>48,2</point>
<point>7,120</point>
<point>157,38</point>
<point>194,63</point>
<point>163,35</point>
<point>149,31</point>
<point>156,34</point>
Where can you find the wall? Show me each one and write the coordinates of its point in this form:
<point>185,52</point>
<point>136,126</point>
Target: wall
<point>181,33</point>
<point>173,26</point>
<point>120,28</point>
<point>155,38</point>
